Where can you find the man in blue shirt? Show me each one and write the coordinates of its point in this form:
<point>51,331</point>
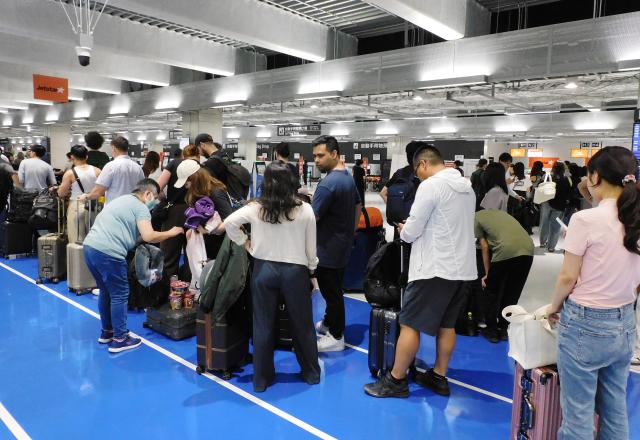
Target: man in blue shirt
<point>337,207</point>
<point>113,235</point>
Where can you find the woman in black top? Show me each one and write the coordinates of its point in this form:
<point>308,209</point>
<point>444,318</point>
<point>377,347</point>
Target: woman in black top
<point>554,209</point>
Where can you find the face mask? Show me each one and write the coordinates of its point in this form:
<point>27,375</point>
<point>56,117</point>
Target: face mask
<point>152,203</point>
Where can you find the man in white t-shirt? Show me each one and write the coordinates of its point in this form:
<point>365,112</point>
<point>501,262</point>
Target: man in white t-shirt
<point>119,176</point>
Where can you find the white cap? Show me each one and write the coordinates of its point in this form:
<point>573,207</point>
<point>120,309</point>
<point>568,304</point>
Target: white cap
<point>186,169</point>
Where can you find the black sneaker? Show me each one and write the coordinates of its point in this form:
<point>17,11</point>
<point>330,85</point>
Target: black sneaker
<point>388,387</point>
<point>491,335</point>
<point>432,380</point>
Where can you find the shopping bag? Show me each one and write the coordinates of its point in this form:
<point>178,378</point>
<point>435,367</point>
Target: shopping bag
<point>197,256</point>
<point>545,191</point>
<point>532,341</point>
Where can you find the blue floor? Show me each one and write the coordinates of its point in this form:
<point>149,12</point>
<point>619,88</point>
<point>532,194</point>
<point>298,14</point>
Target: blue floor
<point>57,382</point>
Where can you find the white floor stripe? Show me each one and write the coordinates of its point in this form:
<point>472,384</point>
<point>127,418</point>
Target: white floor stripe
<point>250,397</point>
<point>12,424</point>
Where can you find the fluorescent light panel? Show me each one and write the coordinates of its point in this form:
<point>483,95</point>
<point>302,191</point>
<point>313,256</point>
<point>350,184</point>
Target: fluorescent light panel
<point>319,95</point>
<point>453,82</point>
<point>628,65</point>
<point>117,115</point>
<point>223,104</point>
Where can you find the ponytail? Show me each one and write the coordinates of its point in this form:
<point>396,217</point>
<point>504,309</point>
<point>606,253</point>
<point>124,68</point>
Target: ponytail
<point>629,215</point>
<point>618,166</point>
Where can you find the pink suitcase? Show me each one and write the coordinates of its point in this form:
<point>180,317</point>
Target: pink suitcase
<point>536,413</point>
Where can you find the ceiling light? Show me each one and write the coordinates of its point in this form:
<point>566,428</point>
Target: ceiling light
<point>117,115</point>
<point>49,123</point>
<point>339,132</point>
<point>314,106</point>
<point>571,85</point>
<point>35,102</point>
<point>339,122</point>
<point>594,109</point>
<point>319,95</point>
<point>530,112</point>
<point>233,135</point>
<point>453,82</point>
<point>6,123</point>
<point>443,130</point>
<point>263,134</point>
<point>164,111</point>
<point>79,119</point>
<point>624,66</point>
<point>417,98</point>
<point>237,103</point>
<point>4,110</point>
<point>387,131</point>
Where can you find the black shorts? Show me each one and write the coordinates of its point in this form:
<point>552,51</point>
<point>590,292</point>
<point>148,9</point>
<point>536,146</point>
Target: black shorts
<point>429,305</point>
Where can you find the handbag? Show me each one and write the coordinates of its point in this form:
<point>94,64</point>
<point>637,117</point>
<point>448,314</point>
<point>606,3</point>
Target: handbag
<point>545,191</point>
<point>161,212</point>
<point>532,341</point>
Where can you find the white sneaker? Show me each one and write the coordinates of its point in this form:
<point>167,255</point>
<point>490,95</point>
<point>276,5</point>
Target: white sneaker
<point>321,329</point>
<point>635,360</point>
<point>328,343</point>
<point>96,292</point>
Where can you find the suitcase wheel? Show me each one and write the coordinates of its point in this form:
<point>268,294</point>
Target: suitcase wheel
<point>39,281</point>
<point>226,375</point>
<point>55,280</point>
<point>199,369</point>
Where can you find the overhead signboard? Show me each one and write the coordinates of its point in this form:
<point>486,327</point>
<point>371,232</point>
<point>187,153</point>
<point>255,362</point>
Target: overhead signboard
<point>299,130</point>
<point>580,153</point>
<point>518,152</point>
<point>635,140</point>
<point>535,152</point>
<point>50,88</point>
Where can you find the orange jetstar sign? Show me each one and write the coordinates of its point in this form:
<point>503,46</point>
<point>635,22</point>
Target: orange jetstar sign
<point>50,88</point>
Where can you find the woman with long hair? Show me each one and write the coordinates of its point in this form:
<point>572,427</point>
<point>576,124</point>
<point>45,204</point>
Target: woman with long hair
<point>493,180</point>
<point>554,209</point>
<point>151,167</point>
<point>594,296</point>
<point>283,244</point>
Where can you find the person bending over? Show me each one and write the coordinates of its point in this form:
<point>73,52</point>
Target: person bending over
<point>113,235</point>
<point>443,259</point>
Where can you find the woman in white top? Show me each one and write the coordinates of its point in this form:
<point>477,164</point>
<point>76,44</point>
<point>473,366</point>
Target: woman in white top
<point>493,180</point>
<point>283,243</point>
<point>80,179</point>
<point>151,167</point>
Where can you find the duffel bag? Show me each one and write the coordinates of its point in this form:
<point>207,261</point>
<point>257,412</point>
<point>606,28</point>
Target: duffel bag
<point>21,204</point>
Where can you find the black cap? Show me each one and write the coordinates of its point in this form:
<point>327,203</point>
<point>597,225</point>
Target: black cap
<point>203,138</point>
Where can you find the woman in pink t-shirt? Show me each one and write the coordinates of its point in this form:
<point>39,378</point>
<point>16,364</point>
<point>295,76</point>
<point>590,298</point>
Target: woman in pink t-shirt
<point>596,292</point>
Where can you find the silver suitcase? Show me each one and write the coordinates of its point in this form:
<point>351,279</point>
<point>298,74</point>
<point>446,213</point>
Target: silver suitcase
<point>79,277</point>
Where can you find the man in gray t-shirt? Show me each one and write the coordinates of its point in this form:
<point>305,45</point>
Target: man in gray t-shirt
<point>35,173</point>
<point>119,176</point>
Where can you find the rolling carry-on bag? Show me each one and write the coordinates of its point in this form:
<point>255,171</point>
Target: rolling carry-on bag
<point>384,330</point>
<point>174,324</point>
<point>79,278</point>
<point>52,252</point>
<point>536,412</point>
<point>224,345</point>
<point>18,240</point>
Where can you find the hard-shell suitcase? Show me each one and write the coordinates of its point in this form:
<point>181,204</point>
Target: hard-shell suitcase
<point>79,278</point>
<point>174,324</point>
<point>52,251</point>
<point>284,325</point>
<point>18,240</point>
<point>536,412</point>
<point>222,346</point>
<point>384,330</point>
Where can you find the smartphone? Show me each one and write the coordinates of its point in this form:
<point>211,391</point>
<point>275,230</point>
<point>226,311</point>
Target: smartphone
<point>562,225</point>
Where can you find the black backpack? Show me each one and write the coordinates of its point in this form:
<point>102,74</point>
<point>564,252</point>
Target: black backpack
<point>21,204</point>
<point>382,283</point>
<point>44,212</point>
<point>238,178</point>
<point>400,197</point>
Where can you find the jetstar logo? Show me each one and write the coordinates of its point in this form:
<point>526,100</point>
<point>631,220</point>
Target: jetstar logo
<point>50,88</point>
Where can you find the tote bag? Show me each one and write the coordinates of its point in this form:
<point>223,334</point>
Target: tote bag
<point>545,191</point>
<point>532,341</point>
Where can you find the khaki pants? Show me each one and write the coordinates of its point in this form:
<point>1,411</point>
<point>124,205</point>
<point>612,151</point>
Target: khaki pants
<point>77,213</point>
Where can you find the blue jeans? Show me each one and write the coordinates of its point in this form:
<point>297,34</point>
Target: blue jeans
<point>549,227</point>
<point>594,356</point>
<point>110,274</point>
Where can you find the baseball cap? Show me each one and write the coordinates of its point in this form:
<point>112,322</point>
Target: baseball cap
<point>203,138</point>
<point>186,169</point>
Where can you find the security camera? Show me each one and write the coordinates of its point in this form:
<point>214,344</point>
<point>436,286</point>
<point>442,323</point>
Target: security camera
<point>83,50</point>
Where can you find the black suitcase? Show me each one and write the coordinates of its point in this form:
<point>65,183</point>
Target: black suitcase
<point>222,346</point>
<point>174,324</point>
<point>18,239</point>
<point>283,331</point>
<point>384,330</point>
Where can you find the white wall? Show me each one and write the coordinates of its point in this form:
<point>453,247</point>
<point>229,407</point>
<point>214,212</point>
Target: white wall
<point>558,148</point>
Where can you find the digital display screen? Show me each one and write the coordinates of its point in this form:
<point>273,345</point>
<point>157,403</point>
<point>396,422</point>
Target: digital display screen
<point>635,140</point>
